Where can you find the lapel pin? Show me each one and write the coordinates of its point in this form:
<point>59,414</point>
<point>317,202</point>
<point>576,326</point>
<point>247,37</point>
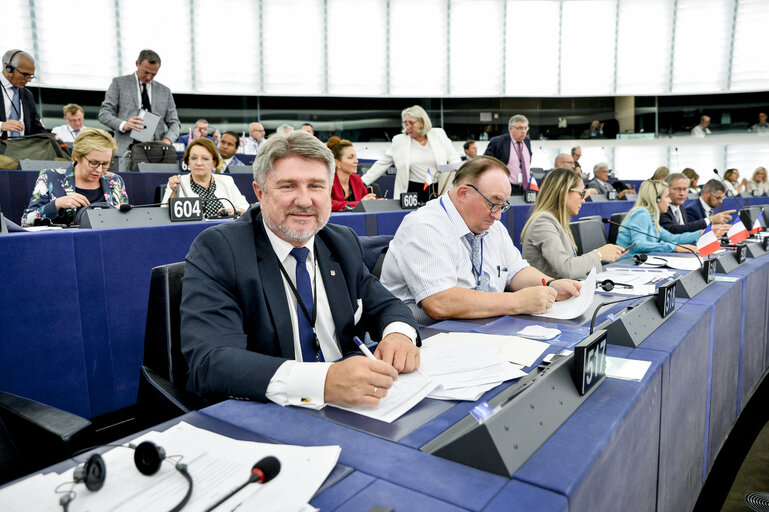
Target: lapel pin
<point>333,272</point>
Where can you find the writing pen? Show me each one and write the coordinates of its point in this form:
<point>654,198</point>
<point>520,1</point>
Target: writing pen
<point>543,282</point>
<point>363,348</point>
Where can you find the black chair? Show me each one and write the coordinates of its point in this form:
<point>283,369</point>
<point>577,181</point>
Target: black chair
<point>160,191</point>
<point>374,251</point>
<point>617,218</point>
<point>164,372</point>
<point>588,234</point>
<point>34,435</point>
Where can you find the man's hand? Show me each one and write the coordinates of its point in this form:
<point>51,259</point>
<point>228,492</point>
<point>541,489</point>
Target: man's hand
<point>724,217</point>
<point>566,288</point>
<point>135,123</point>
<point>533,300</point>
<point>167,140</point>
<point>12,125</point>
<point>399,351</point>
<point>719,229</point>
<point>358,380</point>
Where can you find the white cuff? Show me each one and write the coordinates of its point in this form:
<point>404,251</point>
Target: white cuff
<point>300,384</point>
<point>122,126</point>
<point>401,328</point>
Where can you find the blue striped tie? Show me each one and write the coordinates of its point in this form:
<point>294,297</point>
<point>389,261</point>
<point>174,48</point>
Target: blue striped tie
<point>15,111</point>
<point>304,288</point>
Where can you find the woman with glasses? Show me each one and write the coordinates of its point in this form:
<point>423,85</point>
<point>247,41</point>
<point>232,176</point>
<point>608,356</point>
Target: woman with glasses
<point>416,154</point>
<point>548,244</point>
<point>218,193</point>
<point>59,193</point>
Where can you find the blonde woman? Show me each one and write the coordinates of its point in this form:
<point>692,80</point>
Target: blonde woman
<point>416,153</point>
<point>653,198</point>
<point>733,184</point>
<point>548,244</point>
<point>758,185</point>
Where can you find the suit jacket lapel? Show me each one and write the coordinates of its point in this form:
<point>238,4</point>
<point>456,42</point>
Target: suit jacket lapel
<point>336,287</point>
<point>273,288</point>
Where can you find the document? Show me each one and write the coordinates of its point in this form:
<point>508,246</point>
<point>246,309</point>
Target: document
<point>575,306</point>
<point>514,349</point>
<point>147,133</point>
<point>643,281</point>
<point>537,332</point>
<point>680,262</point>
<point>217,465</point>
<point>626,369</point>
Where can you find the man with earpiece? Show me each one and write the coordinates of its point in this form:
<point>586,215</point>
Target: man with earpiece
<point>18,116</point>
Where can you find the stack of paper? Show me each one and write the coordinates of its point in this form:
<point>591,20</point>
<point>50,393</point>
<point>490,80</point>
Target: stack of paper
<point>680,262</point>
<point>216,463</point>
<point>643,281</point>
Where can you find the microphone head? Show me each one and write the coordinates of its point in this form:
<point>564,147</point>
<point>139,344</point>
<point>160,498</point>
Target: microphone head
<point>269,467</point>
<point>605,221</point>
<point>715,171</point>
<point>125,208</point>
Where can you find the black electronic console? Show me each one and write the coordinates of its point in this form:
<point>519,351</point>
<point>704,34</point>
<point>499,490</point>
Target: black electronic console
<point>380,205</point>
<point>500,435</point>
<point>109,218</point>
<point>634,324</point>
<point>735,257</point>
<point>692,283</point>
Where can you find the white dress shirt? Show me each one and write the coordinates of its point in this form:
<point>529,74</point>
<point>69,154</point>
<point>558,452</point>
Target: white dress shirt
<point>7,97</point>
<point>139,96</point>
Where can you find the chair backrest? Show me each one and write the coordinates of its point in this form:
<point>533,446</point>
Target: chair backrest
<point>37,165</point>
<point>616,218</point>
<point>588,217</point>
<point>588,234</point>
<point>162,339</point>
<point>149,167</point>
<point>374,250</point>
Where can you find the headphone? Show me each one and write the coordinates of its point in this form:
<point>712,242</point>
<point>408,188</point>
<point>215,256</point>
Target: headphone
<point>608,285</point>
<point>642,258</point>
<point>656,191</point>
<point>8,67</point>
<point>147,458</point>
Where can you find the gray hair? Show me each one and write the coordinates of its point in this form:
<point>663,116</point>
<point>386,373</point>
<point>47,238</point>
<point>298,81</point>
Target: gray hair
<point>418,112</point>
<point>600,165</point>
<point>517,118</point>
<point>16,54</point>
<point>677,176</point>
<point>297,143</point>
<point>284,129</point>
<point>149,55</point>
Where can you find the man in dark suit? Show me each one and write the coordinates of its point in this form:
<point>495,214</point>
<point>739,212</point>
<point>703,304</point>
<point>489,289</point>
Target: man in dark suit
<point>676,220</point>
<point>19,113</point>
<point>256,292</point>
<point>514,149</point>
<point>711,197</point>
<point>130,93</point>
<point>470,149</point>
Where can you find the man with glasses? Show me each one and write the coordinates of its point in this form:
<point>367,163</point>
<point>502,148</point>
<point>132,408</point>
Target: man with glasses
<point>711,197</point>
<point>514,148</point>
<point>677,221</point>
<point>18,116</point>
<point>129,94</point>
<point>452,259</point>
<point>252,144</point>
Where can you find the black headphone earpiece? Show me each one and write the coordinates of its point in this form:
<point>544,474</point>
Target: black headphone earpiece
<point>8,67</point>
<point>92,473</point>
<point>608,285</point>
<point>148,457</point>
<point>640,258</point>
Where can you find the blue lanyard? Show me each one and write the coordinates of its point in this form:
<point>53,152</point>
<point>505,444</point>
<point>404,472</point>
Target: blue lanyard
<point>477,272</point>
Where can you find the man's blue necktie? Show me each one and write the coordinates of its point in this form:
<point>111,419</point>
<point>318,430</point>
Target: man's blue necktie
<point>15,110</point>
<point>304,289</point>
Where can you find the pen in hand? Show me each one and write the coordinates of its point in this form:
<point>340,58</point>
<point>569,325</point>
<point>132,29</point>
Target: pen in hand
<point>543,282</point>
<point>363,348</point>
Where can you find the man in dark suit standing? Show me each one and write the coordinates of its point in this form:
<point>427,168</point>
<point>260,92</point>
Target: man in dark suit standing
<point>19,113</point>
<point>514,149</point>
<point>269,301</point>
<point>676,220</point>
<point>130,93</point>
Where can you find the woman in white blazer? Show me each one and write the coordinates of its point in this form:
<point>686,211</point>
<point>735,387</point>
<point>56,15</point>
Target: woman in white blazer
<point>418,149</point>
<point>202,157</point>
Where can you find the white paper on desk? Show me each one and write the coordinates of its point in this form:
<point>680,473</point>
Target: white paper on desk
<point>575,306</point>
<point>684,262</point>
<point>407,391</point>
<point>514,349</point>
<point>217,465</point>
<point>626,369</point>
<point>470,394</point>
<point>538,332</point>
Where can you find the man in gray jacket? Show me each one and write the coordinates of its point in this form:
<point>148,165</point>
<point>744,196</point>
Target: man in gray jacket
<point>130,93</point>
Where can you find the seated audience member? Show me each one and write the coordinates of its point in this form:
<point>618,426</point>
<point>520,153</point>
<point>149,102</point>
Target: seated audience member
<point>416,154</point>
<point>733,184</point>
<point>576,154</point>
<point>348,188</point>
<point>711,197</point>
<point>514,149</point>
<point>59,193</point>
<point>228,146</point>
<point>758,185</point>
<point>249,313</point>
<point>307,127</point>
<point>762,126</point>
<point>564,161</point>
<point>253,143</point>
<point>547,241</point>
<point>675,218</point>
<point>601,181</point>
<point>73,115</point>
<point>701,130</point>
<point>284,129</point>
<point>693,179</point>
<point>199,130</point>
<point>653,199</point>
<point>470,149</point>
<point>452,259</point>
<point>18,112</point>
<point>660,173</point>
<point>202,158</point>
<point>595,131</point>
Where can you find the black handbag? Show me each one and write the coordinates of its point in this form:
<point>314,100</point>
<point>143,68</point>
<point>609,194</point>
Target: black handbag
<point>154,152</point>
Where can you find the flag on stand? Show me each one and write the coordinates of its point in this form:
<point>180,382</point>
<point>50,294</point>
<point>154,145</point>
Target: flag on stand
<point>428,179</point>
<point>708,243</point>
<point>756,226</point>
<point>533,184</point>
<point>737,232</point>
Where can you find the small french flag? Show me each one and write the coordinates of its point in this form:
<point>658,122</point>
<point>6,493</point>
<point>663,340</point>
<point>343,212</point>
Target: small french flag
<point>756,226</point>
<point>708,243</point>
<point>428,179</point>
<point>533,184</point>
<point>737,232</point>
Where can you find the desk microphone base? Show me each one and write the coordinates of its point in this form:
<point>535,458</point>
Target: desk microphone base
<point>691,284</point>
<point>109,218</point>
<point>755,250</point>
<point>635,325</point>
<point>725,263</point>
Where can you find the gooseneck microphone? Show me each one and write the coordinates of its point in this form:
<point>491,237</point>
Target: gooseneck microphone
<point>262,472</point>
<point>125,208</point>
<point>622,226</point>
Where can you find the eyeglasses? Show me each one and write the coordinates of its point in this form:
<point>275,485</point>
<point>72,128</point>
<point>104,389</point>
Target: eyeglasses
<point>493,207</point>
<point>580,192</point>
<point>28,76</point>
<point>409,123</point>
<point>94,164</point>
